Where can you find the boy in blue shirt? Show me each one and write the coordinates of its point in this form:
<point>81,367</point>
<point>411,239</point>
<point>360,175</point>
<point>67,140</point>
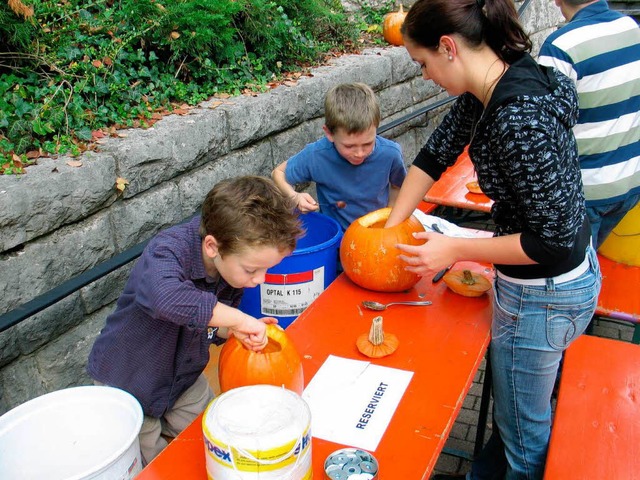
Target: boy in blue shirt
<point>355,170</point>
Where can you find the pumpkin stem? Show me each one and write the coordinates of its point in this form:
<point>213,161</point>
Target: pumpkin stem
<point>467,278</point>
<point>376,335</point>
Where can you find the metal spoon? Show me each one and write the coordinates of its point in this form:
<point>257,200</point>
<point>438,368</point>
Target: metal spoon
<point>371,305</point>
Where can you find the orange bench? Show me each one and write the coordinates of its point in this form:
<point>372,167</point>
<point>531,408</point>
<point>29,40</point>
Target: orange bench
<point>596,428</point>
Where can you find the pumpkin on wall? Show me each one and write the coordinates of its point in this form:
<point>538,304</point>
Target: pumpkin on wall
<point>369,255</point>
<point>277,364</point>
<point>391,24</point>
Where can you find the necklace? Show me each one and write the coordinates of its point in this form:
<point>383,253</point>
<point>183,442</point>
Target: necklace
<point>487,88</point>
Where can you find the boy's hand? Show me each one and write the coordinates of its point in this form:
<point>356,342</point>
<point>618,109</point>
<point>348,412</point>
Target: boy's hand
<point>305,202</point>
<point>252,332</point>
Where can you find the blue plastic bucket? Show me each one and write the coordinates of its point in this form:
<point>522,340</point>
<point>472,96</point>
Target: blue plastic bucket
<point>300,278</point>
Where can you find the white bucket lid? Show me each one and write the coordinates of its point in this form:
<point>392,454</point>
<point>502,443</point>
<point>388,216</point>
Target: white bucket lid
<point>69,434</point>
<point>257,417</point>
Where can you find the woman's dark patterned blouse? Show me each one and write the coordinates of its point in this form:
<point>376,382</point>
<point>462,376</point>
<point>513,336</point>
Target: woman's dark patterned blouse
<point>525,155</point>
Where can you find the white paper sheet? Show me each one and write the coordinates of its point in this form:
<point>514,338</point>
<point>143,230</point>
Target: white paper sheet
<point>447,228</point>
<point>352,401</point>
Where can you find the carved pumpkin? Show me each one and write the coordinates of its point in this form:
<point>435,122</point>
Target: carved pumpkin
<point>277,364</point>
<point>376,343</point>
<point>467,283</point>
<point>369,255</point>
<point>391,26</point>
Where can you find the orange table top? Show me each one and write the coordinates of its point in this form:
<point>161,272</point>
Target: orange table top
<point>443,344</point>
<point>619,294</point>
<point>451,190</point>
<point>596,431</point>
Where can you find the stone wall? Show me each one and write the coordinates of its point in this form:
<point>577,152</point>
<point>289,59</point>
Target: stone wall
<point>58,221</point>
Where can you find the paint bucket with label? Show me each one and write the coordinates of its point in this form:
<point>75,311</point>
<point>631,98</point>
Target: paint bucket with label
<point>300,278</point>
<point>623,243</point>
<point>78,433</point>
<point>259,432</point>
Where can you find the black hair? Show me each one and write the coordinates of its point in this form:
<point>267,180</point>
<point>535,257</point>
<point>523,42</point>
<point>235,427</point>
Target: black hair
<point>494,22</point>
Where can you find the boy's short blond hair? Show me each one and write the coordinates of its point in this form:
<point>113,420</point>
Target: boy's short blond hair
<point>352,107</point>
<point>248,212</point>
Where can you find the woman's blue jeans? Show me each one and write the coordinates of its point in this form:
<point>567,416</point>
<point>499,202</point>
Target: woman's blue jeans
<point>531,328</point>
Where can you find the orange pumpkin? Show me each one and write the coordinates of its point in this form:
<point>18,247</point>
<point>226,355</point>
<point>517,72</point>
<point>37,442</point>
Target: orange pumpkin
<point>467,283</point>
<point>369,255</point>
<point>277,364</point>
<point>473,187</point>
<point>376,343</point>
<point>391,24</point>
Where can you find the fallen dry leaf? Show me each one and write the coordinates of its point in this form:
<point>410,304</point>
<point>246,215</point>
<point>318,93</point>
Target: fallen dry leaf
<point>74,163</point>
<point>20,8</point>
<point>121,184</point>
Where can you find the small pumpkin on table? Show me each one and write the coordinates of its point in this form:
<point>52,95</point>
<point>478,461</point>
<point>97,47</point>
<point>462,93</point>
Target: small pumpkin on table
<point>376,343</point>
<point>474,187</point>
<point>467,283</point>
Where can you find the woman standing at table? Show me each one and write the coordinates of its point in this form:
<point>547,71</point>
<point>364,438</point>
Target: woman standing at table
<point>516,117</point>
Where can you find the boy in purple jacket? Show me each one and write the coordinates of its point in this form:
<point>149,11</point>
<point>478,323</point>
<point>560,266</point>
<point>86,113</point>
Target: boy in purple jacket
<point>182,295</point>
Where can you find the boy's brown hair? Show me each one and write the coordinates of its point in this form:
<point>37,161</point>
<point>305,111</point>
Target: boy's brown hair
<point>249,211</point>
<point>352,107</point>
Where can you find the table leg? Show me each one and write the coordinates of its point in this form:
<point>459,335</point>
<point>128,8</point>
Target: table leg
<point>482,416</point>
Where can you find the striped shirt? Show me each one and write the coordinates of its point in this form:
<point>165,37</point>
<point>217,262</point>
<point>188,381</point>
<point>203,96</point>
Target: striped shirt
<point>599,49</point>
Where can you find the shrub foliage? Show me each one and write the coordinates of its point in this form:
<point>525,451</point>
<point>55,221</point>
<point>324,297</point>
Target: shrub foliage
<point>69,67</point>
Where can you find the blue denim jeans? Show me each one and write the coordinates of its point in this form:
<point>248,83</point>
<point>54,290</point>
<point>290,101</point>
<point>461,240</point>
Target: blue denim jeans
<point>531,328</point>
<point>604,218</point>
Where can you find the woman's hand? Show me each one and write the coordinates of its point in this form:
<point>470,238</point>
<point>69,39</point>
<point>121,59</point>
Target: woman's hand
<point>434,255</point>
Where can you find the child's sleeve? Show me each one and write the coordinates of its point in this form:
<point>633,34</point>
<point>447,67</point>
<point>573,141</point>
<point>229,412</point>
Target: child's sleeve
<point>398,169</point>
<point>299,167</point>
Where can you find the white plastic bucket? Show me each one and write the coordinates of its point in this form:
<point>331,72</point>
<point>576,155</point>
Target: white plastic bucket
<point>258,432</point>
<point>77,433</point>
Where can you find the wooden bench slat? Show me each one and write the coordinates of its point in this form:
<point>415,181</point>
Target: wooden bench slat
<point>596,429</point>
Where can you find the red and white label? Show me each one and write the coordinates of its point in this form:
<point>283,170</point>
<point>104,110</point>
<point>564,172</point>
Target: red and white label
<point>288,294</point>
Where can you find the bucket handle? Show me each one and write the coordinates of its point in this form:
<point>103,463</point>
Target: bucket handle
<point>248,455</point>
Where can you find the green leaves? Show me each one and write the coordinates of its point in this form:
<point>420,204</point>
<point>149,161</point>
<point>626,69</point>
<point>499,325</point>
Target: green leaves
<point>77,67</point>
